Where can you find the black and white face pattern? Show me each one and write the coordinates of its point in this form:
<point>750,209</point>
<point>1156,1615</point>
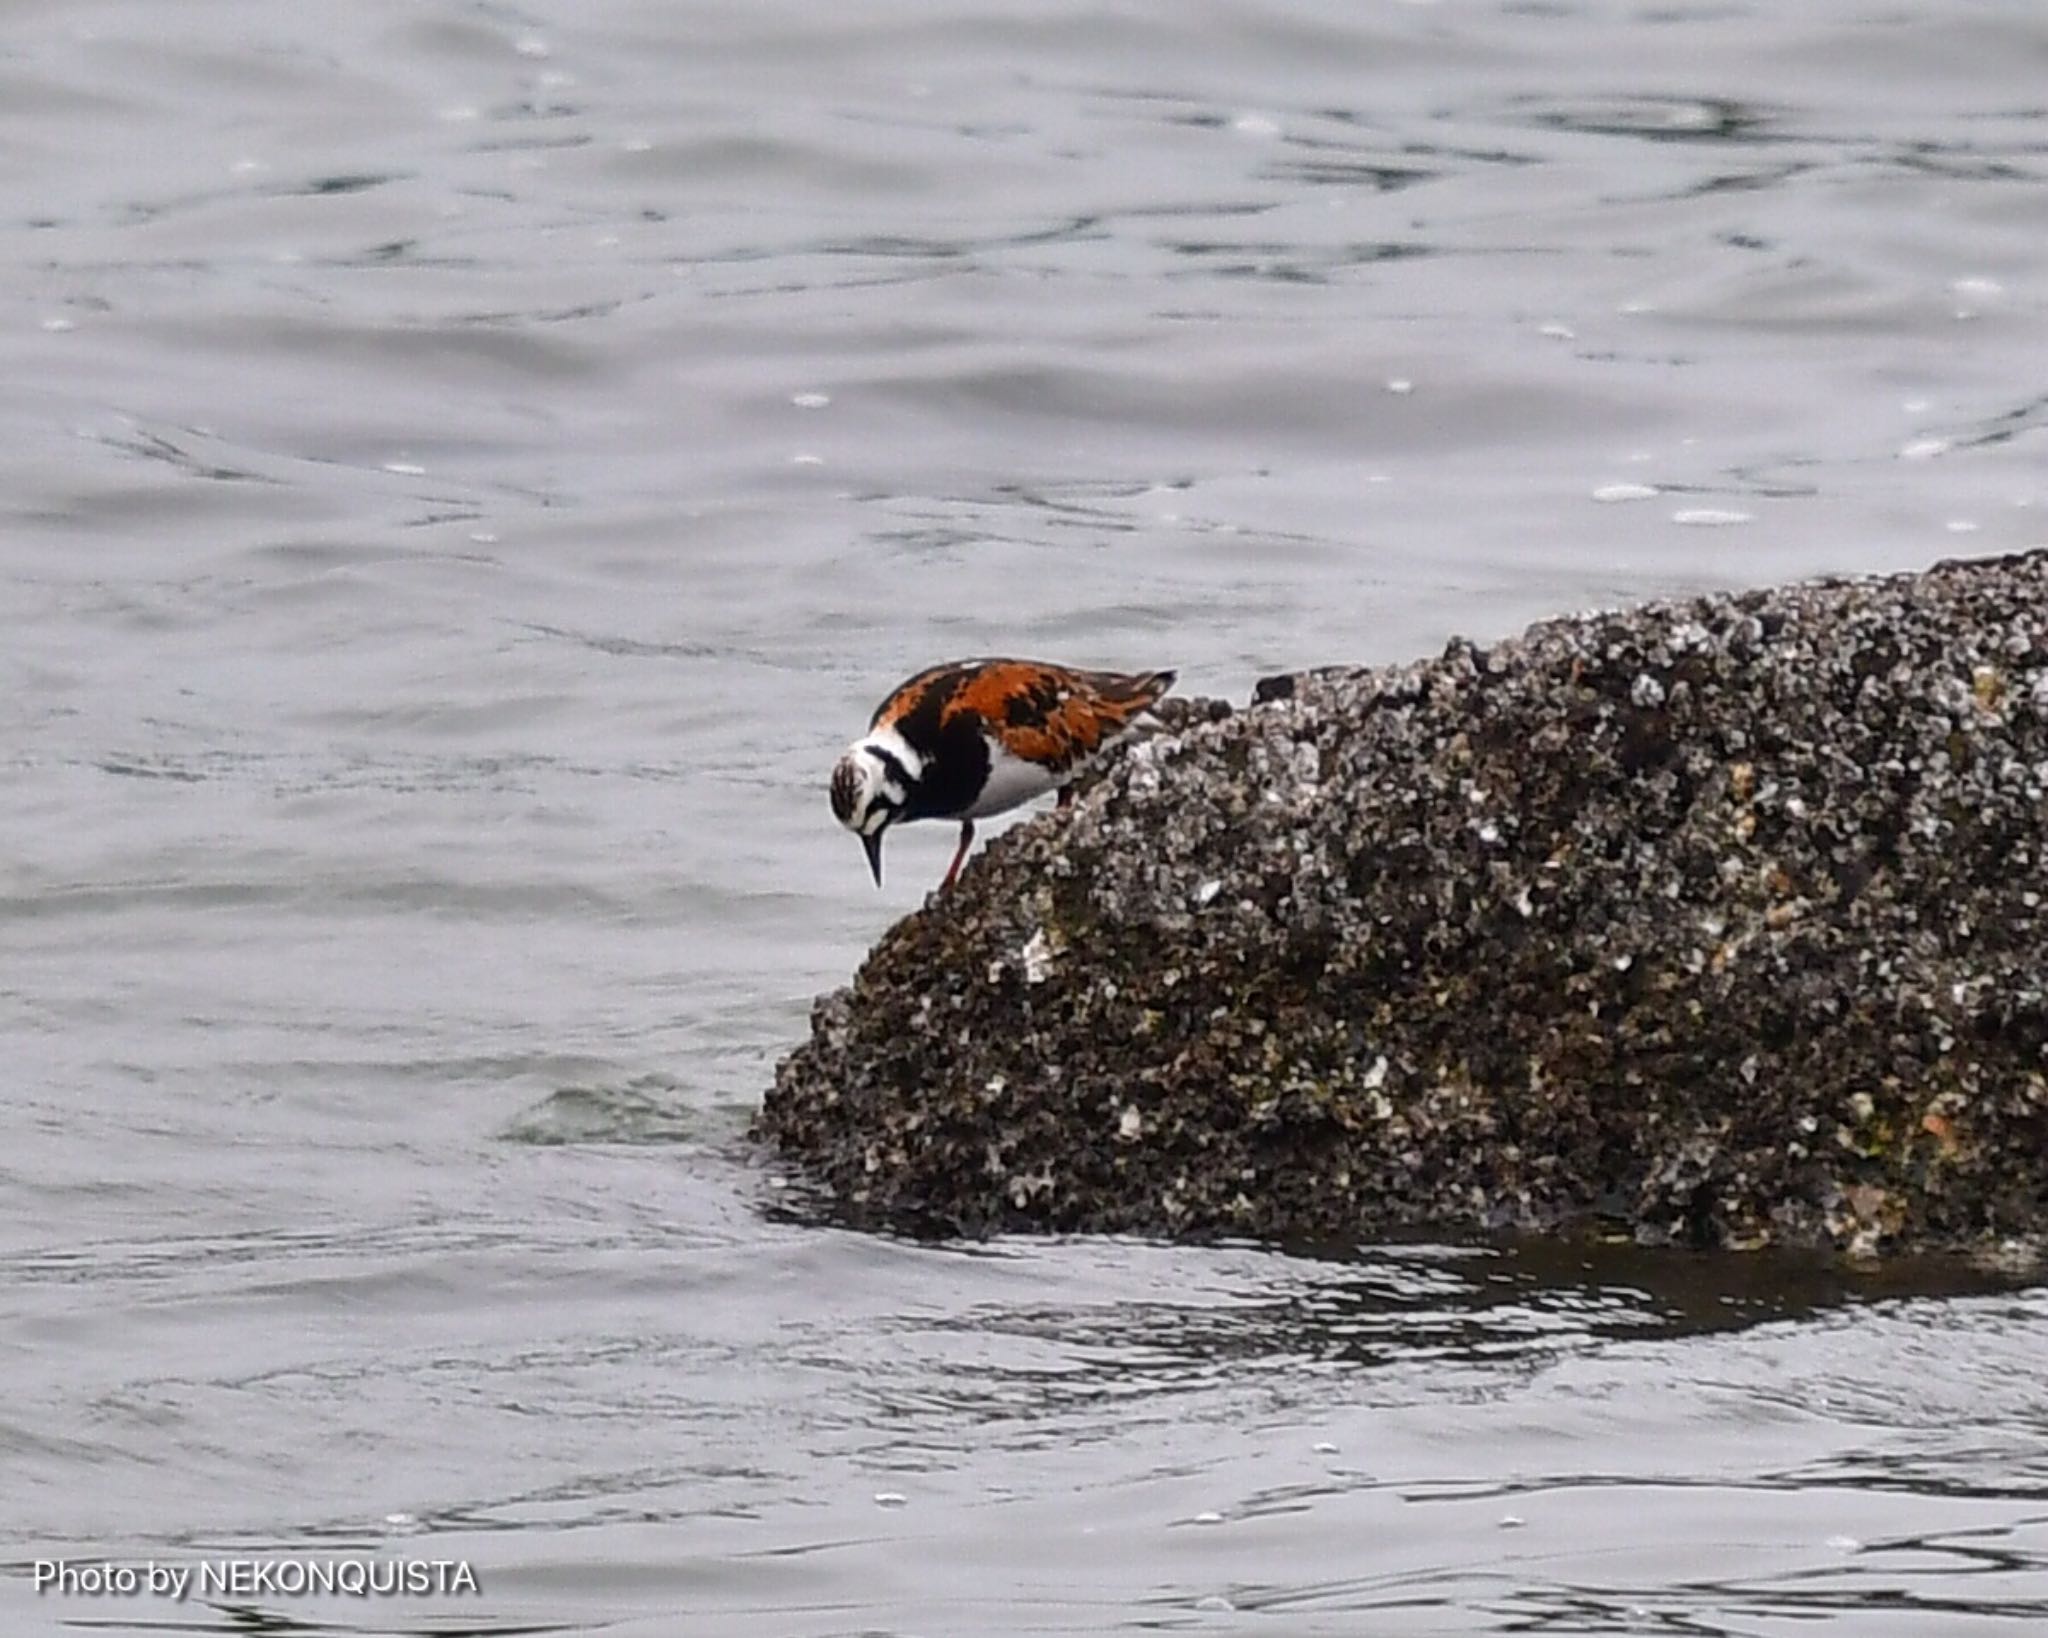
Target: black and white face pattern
<point>872,783</point>
<point>872,787</point>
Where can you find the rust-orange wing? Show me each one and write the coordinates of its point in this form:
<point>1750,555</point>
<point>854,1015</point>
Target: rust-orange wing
<point>922,695</point>
<point>1051,714</point>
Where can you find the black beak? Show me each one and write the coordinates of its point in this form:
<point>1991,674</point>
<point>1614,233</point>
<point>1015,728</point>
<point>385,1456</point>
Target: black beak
<point>874,846</point>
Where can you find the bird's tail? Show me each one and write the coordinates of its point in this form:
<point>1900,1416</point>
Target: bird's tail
<point>1127,698</point>
<point>1140,689</point>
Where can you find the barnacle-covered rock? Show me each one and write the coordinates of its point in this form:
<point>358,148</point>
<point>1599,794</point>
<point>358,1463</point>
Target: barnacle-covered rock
<point>1722,920</point>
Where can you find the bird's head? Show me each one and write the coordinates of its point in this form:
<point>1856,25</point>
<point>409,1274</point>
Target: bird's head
<point>871,787</point>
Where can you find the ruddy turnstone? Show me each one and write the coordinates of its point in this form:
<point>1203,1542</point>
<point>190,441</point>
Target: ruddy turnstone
<point>979,737</point>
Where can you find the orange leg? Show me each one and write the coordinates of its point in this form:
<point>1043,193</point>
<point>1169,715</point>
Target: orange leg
<point>966,840</point>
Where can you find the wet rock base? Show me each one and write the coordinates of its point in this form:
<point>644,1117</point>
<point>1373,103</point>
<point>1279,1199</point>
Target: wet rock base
<point>1720,921</point>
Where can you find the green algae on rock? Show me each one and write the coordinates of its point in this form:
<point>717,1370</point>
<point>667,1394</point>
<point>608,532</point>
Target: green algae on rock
<point>1721,919</point>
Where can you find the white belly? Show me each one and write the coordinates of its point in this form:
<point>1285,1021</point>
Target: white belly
<point>1012,781</point>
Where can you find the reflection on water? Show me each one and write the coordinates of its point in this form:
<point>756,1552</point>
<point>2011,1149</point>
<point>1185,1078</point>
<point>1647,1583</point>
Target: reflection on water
<point>467,469</point>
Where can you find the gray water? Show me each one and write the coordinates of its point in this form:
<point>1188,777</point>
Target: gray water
<point>467,467</point>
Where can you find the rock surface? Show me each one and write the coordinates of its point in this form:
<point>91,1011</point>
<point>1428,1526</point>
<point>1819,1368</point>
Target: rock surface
<point>1723,920</point>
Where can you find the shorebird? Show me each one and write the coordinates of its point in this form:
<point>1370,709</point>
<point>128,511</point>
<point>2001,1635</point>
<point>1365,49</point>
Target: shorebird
<point>973,738</point>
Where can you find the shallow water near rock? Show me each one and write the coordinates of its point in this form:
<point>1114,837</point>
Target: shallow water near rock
<point>467,470</point>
